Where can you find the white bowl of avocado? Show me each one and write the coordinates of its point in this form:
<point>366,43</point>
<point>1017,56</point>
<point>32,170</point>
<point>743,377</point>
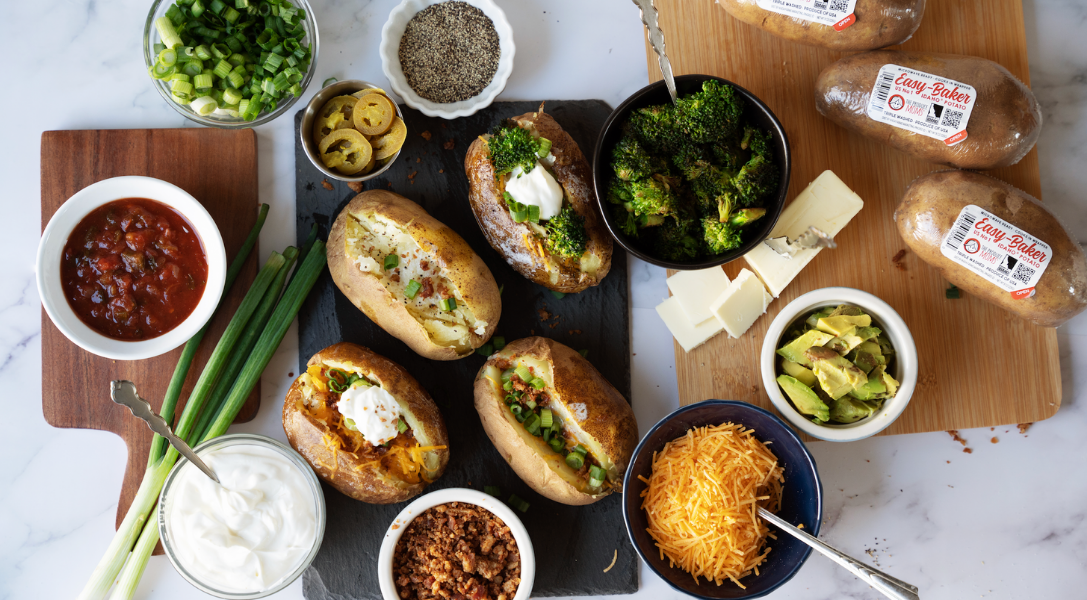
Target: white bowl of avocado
<point>839,364</point>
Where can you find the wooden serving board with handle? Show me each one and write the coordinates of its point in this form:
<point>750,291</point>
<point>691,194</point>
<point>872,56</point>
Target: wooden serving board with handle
<point>979,366</point>
<point>219,168</point>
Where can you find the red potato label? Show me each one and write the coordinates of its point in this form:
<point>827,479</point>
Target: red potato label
<point>836,13</point>
<point>1007,256</point>
<point>927,104</point>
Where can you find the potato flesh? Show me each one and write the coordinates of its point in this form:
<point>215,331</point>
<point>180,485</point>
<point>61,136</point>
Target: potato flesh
<point>370,238</point>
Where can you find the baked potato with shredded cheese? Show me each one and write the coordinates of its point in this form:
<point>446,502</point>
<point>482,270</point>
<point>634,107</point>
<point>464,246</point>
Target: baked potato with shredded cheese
<point>413,276</point>
<point>342,451</point>
<point>571,250</point>
<point>562,427</point>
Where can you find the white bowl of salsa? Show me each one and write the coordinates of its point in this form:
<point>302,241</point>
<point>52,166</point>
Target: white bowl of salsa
<point>130,267</point>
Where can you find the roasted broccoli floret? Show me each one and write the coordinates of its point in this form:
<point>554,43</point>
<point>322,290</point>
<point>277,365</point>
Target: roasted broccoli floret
<point>566,233</point>
<point>756,180</point>
<point>720,237</point>
<point>677,240</point>
<point>652,196</point>
<point>710,115</point>
<point>628,221</point>
<point>631,162</point>
<point>745,216</point>
<point>656,129</point>
<point>619,192</point>
<point>691,161</point>
<point>510,147</point>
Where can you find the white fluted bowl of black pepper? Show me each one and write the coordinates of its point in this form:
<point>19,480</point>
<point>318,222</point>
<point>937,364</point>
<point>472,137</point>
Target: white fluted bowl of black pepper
<point>447,59</point>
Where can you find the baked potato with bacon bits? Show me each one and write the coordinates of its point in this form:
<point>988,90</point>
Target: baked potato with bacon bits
<point>365,425</point>
<point>562,427</point>
<point>531,190</point>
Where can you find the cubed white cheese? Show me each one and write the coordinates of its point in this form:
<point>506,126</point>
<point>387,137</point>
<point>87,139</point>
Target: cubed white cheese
<point>696,289</point>
<point>689,336</point>
<point>741,304</point>
<point>827,204</point>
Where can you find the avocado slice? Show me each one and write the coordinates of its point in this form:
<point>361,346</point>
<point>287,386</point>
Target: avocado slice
<point>868,333</point>
<point>794,350</point>
<point>845,342</point>
<point>865,361</point>
<point>813,320</point>
<point>800,372</point>
<point>872,390</point>
<point>847,310</point>
<point>848,410</point>
<point>803,398</point>
<point>840,324</point>
<point>835,374</point>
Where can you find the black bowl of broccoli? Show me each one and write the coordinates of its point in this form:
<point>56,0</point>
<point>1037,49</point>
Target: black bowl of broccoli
<point>695,184</point>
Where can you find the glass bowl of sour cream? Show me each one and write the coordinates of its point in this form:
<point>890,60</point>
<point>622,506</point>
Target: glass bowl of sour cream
<point>252,534</point>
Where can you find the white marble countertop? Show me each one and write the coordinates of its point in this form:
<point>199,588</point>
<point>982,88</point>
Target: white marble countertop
<point>1006,522</point>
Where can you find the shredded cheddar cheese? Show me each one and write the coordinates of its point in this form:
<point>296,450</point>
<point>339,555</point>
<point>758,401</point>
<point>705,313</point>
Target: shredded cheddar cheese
<point>702,498</point>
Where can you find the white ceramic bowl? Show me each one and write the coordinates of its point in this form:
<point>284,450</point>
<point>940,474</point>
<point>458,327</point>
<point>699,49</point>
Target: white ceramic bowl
<point>55,236</point>
<point>903,368</point>
<point>390,59</point>
<point>486,501</point>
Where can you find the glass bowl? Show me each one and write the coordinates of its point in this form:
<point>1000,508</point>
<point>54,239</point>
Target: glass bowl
<point>151,37</point>
<point>242,439</point>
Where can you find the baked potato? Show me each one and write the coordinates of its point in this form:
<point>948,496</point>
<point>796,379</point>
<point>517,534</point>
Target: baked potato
<point>1004,124</point>
<point>413,276</point>
<point>357,456</point>
<point>929,210</point>
<point>563,245</point>
<point>879,23</point>
<point>562,427</point>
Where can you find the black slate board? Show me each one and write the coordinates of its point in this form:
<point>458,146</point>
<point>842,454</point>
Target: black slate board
<point>573,545</point>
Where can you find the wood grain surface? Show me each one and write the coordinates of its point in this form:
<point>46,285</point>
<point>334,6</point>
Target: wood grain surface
<point>219,168</point>
<point>979,366</point>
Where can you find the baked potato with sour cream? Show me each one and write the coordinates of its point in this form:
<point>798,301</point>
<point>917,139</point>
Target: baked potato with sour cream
<point>562,427</point>
<point>413,276</point>
<point>566,248</point>
<point>375,461</point>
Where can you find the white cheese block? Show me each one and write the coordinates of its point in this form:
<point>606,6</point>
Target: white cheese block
<point>696,289</point>
<point>827,204</point>
<point>689,336</point>
<point>741,304</point>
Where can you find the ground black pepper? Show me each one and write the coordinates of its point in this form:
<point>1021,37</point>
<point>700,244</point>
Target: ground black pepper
<point>449,52</point>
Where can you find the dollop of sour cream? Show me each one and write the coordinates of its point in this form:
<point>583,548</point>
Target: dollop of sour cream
<point>374,411</point>
<point>537,187</point>
<point>249,533</point>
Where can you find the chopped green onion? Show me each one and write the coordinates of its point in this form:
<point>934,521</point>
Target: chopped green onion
<point>575,460</point>
<point>584,352</point>
<point>510,399</point>
<point>953,293</point>
<point>392,261</point>
<point>518,503</point>
<point>222,69</point>
<point>167,57</point>
<point>499,343</point>
<point>533,213</point>
<point>485,349</point>
<point>329,81</point>
<point>231,15</point>
<point>204,105</point>
<point>216,6</point>
<point>232,96</point>
<point>202,52</point>
<point>448,304</point>
<point>545,147</point>
<point>202,82</point>
<point>193,68</point>
<point>411,289</point>
<point>235,79</point>
<point>538,383</point>
<point>401,426</point>
<point>161,71</point>
<point>596,476</point>
<point>580,449</point>
<point>273,63</point>
<point>180,87</point>
<point>167,32</point>
<point>220,51</point>
<point>523,373</point>
<point>558,295</point>
<point>557,443</point>
<point>546,418</point>
<point>492,490</point>
<point>506,375</point>
<point>531,404</point>
<point>532,424</point>
<point>197,8</point>
<point>501,289</point>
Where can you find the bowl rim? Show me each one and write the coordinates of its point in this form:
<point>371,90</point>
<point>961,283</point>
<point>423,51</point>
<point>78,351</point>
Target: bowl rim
<point>305,125</point>
<point>787,431</point>
<point>235,439</point>
<point>231,122</point>
<point>55,236</point>
<point>467,496</point>
<point>897,331</point>
<point>721,259</point>
<point>388,49</point>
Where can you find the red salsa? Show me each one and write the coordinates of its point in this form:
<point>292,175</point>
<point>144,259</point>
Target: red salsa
<point>133,269</point>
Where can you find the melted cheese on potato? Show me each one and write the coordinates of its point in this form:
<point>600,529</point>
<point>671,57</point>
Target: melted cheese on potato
<point>370,238</point>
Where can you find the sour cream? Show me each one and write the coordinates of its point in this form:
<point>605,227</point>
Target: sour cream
<point>249,533</point>
<point>374,411</point>
<point>537,187</point>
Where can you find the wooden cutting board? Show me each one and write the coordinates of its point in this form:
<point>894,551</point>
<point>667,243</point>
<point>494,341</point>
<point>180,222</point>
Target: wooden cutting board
<point>979,366</point>
<point>219,168</point>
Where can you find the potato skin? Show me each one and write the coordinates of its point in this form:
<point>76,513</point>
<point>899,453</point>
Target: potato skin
<point>572,172</point>
<point>933,202</point>
<point>1003,127</point>
<point>306,433</point>
<point>880,23</point>
<point>459,263</point>
<point>610,419</point>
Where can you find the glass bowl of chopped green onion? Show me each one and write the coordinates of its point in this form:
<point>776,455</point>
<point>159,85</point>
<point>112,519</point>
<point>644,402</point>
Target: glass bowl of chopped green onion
<point>231,63</point>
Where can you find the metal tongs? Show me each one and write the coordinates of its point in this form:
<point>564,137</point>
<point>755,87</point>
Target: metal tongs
<point>656,40</point>
<point>123,392</point>
<point>812,238</point>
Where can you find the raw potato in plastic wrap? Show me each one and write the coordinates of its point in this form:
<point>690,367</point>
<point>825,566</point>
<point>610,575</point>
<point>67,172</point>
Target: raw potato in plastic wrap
<point>879,23</point>
<point>932,204</point>
<point>1003,126</point>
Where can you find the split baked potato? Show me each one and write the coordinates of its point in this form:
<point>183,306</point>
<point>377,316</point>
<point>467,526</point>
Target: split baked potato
<point>566,249</point>
<point>562,427</point>
<point>349,455</point>
<point>413,276</point>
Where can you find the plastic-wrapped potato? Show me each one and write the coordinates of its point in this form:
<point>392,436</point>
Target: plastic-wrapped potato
<point>389,144</point>
<point>373,114</point>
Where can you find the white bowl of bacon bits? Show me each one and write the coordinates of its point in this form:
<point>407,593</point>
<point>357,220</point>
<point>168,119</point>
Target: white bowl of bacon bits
<point>447,58</point>
<point>467,543</point>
